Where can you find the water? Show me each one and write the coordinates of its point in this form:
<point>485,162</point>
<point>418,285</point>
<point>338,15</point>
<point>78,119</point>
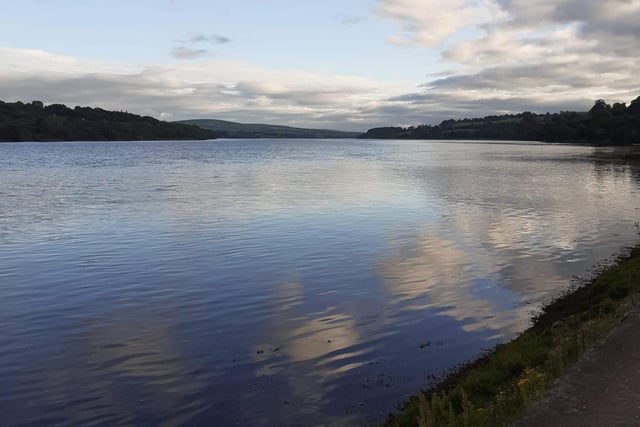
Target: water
<point>280,282</point>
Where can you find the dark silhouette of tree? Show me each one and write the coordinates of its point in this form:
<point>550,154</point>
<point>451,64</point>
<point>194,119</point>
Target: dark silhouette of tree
<point>634,107</point>
<point>602,124</point>
<point>57,122</point>
<point>619,109</point>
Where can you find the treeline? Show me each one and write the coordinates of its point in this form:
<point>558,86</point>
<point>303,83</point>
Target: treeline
<point>616,124</point>
<point>56,122</point>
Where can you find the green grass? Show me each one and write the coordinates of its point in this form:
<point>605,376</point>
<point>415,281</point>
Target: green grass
<point>496,389</point>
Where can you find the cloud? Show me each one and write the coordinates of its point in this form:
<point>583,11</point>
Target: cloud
<point>538,56</point>
<point>208,88</point>
<point>427,22</point>
<point>619,17</point>
<point>349,20</point>
<point>183,52</point>
<point>213,38</point>
<point>188,50</point>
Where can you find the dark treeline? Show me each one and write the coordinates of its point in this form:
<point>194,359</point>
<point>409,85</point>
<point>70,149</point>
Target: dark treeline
<point>603,124</point>
<point>56,122</point>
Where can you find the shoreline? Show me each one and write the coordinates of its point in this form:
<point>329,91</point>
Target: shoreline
<point>504,383</point>
<point>600,390</point>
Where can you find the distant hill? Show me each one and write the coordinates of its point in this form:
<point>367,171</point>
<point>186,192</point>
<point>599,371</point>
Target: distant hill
<point>57,122</point>
<point>602,124</point>
<point>255,130</point>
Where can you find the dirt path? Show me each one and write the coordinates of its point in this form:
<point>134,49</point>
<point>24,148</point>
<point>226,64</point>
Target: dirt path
<point>603,389</point>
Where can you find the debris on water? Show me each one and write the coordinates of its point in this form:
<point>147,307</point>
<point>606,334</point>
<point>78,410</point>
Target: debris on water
<point>426,344</point>
<point>276,349</point>
<point>259,351</point>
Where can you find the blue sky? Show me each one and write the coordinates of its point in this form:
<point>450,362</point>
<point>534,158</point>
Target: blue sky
<point>350,64</point>
<point>330,36</point>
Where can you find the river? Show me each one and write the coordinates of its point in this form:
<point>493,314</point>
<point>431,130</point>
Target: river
<point>280,282</point>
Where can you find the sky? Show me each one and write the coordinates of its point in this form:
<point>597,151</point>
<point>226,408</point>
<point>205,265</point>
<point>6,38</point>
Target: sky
<point>340,64</point>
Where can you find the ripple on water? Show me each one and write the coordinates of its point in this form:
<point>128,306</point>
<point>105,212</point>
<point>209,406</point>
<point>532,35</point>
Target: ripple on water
<point>268,282</point>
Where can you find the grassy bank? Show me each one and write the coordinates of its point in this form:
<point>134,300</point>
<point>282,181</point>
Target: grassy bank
<point>497,389</point>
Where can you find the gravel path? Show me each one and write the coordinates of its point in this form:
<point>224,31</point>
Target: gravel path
<point>603,389</point>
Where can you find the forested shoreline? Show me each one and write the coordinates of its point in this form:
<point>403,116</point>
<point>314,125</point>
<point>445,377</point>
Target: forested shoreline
<point>56,122</point>
<point>605,124</point>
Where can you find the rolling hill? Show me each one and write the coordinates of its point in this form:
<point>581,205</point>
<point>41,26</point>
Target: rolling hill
<point>226,129</point>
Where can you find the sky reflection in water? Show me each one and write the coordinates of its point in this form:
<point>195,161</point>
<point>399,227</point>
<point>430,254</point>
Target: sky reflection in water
<point>280,282</point>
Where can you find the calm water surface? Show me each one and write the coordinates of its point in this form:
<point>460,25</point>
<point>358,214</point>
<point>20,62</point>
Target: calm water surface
<point>279,282</point>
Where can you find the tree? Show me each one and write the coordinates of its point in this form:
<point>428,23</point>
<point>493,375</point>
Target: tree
<point>634,107</point>
<point>619,109</point>
<point>599,107</point>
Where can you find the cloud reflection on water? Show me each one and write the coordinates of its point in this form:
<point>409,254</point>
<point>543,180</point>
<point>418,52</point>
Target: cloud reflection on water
<point>277,281</point>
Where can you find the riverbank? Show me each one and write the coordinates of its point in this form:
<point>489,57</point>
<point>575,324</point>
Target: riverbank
<point>499,387</point>
<point>600,390</point>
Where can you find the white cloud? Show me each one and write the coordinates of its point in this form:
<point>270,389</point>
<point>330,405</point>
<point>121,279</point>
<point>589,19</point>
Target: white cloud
<point>35,60</point>
<point>428,22</point>
<point>209,88</point>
